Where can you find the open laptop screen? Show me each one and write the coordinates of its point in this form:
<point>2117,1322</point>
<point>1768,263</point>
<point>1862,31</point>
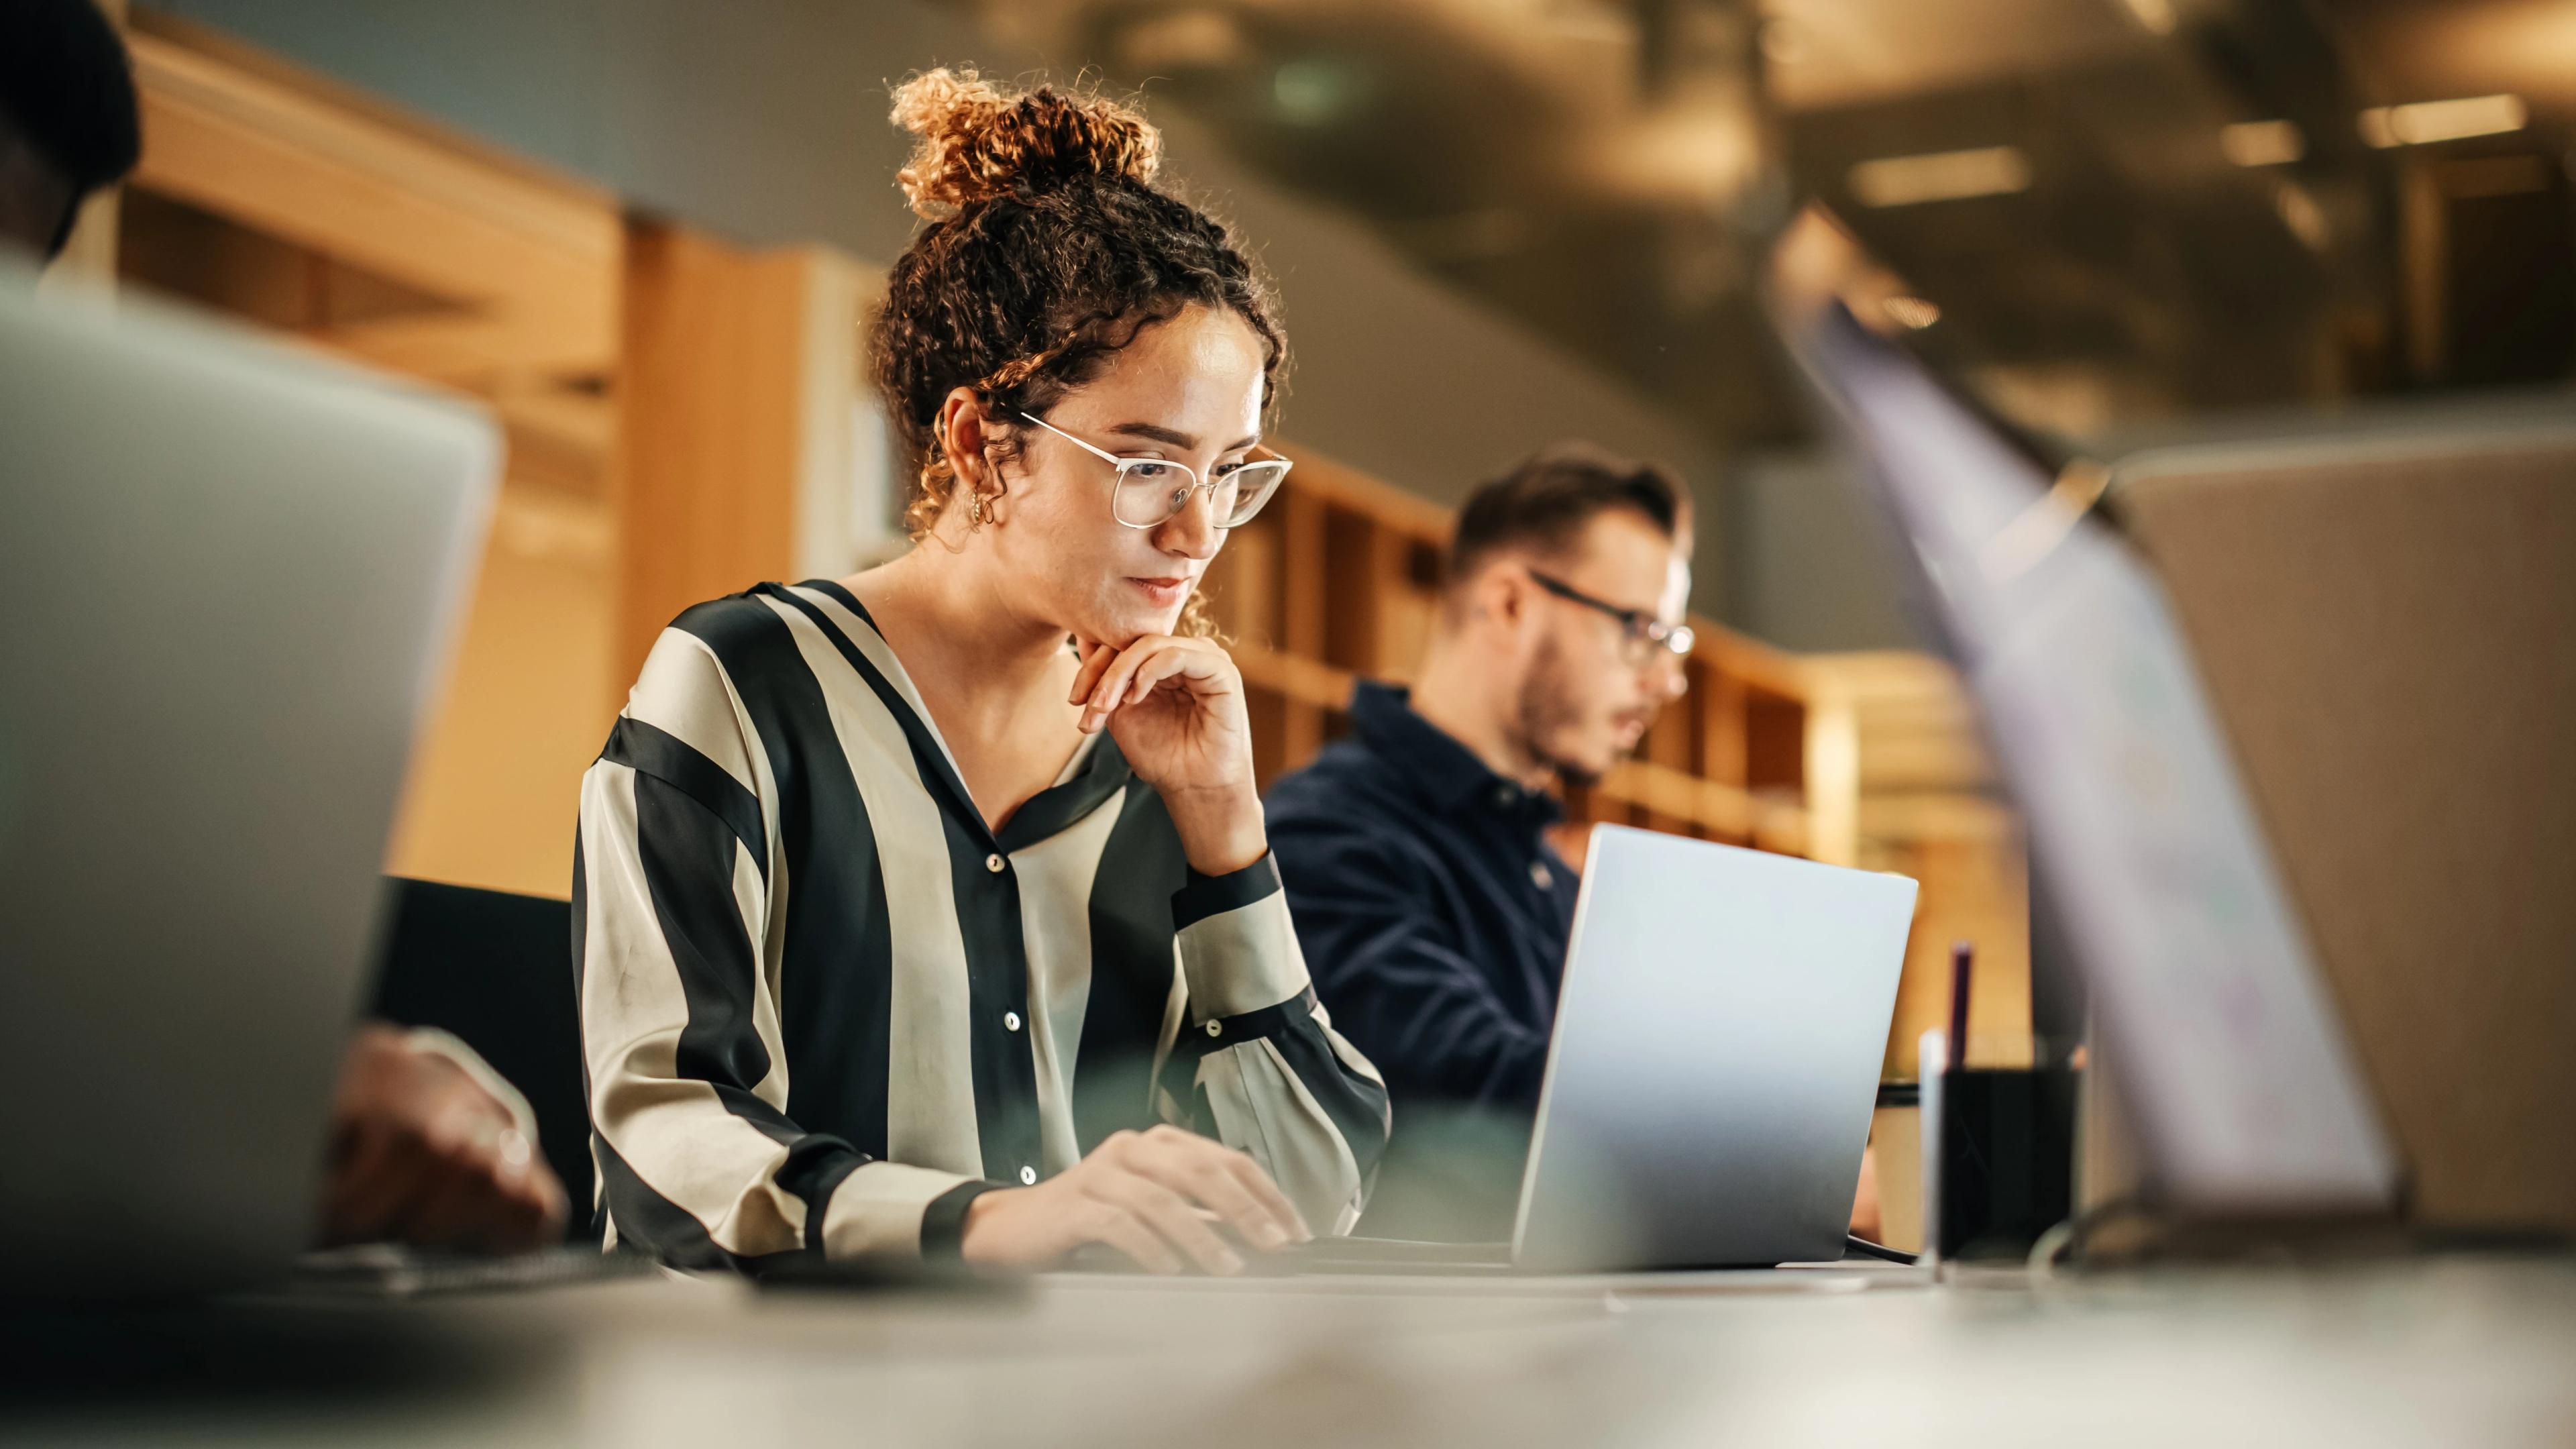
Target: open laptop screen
<point>2240,1084</point>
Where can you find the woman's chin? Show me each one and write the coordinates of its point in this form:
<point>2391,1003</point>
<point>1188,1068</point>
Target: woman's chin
<point>1120,627</point>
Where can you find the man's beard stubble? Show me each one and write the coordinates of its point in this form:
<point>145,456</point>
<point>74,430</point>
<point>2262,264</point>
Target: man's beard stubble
<point>1548,708</point>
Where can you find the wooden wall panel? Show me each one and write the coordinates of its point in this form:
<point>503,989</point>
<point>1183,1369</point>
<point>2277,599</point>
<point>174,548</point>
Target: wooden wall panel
<point>528,261</point>
<point>712,425</point>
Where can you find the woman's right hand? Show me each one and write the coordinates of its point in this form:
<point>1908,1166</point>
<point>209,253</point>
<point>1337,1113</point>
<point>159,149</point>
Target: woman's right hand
<point>1153,1195</point>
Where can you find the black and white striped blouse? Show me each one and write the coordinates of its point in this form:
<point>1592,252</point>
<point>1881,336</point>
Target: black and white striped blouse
<point>823,1005</point>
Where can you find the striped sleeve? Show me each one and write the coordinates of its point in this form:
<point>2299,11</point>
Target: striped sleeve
<point>698,1159</point>
<point>1257,1064</point>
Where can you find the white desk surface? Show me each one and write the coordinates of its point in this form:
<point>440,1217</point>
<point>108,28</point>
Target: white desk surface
<point>2459,1351</point>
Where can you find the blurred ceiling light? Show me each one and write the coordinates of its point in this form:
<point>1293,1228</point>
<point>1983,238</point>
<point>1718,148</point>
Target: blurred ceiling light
<point>1701,154</point>
<point>2301,214</point>
<point>1184,40</point>
<point>2262,143</point>
<point>1915,313</point>
<point>2156,15</point>
<point>1941,176</point>
<point>2426,122</point>
<point>1312,92</point>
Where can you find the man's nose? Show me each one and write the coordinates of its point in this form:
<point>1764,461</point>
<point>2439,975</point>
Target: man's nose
<point>1669,680</point>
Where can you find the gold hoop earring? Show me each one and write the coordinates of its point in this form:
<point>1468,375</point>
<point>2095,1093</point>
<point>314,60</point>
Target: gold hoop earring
<point>975,510</point>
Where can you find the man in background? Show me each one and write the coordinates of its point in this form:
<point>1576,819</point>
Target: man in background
<point>1433,910</point>
<point>426,1145</point>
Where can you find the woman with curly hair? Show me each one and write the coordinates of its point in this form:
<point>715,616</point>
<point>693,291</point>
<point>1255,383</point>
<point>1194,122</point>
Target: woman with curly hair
<point>930,911</point>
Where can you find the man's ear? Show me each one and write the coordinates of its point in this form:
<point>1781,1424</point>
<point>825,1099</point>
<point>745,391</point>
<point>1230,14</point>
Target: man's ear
<point>1501,593</point>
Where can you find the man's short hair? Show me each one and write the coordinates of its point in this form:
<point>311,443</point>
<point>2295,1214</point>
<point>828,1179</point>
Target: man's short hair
<point>67,90</point>
<point>1546,501</point>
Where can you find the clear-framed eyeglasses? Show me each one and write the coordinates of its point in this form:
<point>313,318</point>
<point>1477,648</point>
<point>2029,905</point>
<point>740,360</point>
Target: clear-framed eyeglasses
<point>1150,491</point>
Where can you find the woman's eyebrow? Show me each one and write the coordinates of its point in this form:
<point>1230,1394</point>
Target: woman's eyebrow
<point>1173,436</point>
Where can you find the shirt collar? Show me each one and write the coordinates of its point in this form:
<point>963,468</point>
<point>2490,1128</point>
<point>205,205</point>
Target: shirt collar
<point>1440,768</point>
<point>1097,771</point>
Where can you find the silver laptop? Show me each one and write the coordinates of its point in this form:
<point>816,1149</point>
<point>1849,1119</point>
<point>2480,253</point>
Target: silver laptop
<point>1719,1032</point>
<point>228,578</point>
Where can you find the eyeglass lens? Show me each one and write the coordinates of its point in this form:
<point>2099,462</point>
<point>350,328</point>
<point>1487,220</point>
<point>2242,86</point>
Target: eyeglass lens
<point>1150,491</point>
<point>1642,646</point>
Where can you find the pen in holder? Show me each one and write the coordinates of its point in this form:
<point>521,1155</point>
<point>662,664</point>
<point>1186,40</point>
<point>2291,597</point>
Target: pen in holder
<point>1998,1137</point>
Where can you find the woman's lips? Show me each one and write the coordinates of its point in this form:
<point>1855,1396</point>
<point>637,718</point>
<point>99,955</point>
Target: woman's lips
<point>1163,592</point>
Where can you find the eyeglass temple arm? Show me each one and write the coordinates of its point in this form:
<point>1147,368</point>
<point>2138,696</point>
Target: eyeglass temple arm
<point>1103,454</point>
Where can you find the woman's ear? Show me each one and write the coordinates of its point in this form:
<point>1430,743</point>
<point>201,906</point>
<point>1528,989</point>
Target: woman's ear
<point>961,438</point>
<point>966,438</point>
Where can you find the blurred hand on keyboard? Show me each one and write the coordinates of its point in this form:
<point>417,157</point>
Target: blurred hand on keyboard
<point>423,1153</point>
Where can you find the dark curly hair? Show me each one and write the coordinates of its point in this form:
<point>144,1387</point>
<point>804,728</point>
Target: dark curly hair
<point>1049,247</point>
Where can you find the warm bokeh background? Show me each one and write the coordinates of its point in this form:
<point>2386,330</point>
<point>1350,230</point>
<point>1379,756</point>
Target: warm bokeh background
<point>646,235</point>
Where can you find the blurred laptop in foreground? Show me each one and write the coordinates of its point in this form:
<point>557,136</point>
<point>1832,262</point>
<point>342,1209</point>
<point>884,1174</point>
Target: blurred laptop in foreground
<point>425,1143</point>
<point>228,578</point>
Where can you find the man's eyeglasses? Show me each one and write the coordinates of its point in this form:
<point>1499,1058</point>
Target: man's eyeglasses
<point>1641,634</point>
<point>1151,491</point>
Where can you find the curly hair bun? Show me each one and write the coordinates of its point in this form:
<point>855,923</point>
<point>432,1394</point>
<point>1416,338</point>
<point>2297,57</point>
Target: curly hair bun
<point>979,141</point>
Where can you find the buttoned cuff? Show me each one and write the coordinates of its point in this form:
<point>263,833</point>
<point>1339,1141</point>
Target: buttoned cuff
<point>892,1209</point>
<point>1202,896</point>
<point>943,1223</point>
<point>1239,950</point>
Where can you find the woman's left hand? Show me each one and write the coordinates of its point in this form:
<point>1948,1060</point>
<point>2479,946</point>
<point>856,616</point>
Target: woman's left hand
<point>1176,708</point>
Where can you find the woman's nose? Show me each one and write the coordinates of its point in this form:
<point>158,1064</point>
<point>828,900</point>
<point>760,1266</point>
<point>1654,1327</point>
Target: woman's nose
<point>1192,532</point>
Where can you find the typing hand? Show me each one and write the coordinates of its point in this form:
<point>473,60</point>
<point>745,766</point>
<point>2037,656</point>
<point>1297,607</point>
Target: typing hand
<point>420,1153</point>
<point>1158,1196</point>
<point>1175,706</point>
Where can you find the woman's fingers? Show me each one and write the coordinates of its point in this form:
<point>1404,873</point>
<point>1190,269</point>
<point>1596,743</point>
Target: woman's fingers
<point>1153,672</point>
<point>1170,1215</point>
<point>1207,1178</point>
<point>1129,675</point>
<point>1095,659</point>
<point>1113,1223</point>
<point>1224,1180</point>
<point>1111,689</point>
<point>1257,1182</point>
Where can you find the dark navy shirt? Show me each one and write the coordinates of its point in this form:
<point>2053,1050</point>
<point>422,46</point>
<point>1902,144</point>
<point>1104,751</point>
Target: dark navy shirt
<point>1432,911</point>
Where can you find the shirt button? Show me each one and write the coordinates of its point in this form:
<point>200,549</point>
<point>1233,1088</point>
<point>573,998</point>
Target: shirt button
<point>994,863</point>
<point>1028,1177</point>
<point>1540,875</point>
<point>1505,796</point>
<point>1216,1028</point>
<point>1010,1021</point>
